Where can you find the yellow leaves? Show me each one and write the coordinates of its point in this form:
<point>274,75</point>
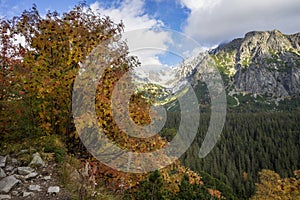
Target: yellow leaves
<point>46,127</point>
<point>40,90</point>
<point>271,186</point>
<point>139,112</point>
<point>245,176</point>
<point>215,193</point>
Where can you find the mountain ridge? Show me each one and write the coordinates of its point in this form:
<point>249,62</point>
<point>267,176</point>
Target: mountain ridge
<point>262,63</point>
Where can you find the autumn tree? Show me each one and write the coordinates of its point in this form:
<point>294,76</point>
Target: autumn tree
<point>271,186</point>
<point>11,104</point>
<point>54,46</point>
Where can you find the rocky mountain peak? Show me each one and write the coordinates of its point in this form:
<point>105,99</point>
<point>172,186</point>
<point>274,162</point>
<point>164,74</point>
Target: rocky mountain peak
<point>260,43</point>
<point>262,62</point>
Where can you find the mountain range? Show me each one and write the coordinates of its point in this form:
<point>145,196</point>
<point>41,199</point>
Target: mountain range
<point>263,65</point>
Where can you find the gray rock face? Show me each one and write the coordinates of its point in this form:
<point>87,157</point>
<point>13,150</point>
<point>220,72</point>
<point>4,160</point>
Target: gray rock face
<point>7,183</point>
<point>37,161</point>
<point>262,81</point>
<point>262,63</point>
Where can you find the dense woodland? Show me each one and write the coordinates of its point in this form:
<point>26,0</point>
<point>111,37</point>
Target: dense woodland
<point>37,80</point>
<point>249,143</point>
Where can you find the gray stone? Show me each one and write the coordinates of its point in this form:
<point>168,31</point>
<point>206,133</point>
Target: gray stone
<point>3,161</point>
<point>35,188</point>
<point>31,175</point>
<point>53,190</point>
<point>37,161</point>
<point>5,196</point>
<point>7,183</point>
<point>46,178</point>
<point>2,173</point>
<point>27,194</point>
<point>25,170</point>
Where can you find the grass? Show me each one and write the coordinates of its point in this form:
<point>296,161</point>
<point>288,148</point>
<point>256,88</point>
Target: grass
<point>246,61</point>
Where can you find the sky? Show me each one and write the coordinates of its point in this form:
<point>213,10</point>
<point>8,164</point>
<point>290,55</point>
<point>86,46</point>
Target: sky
<point>172,24</point>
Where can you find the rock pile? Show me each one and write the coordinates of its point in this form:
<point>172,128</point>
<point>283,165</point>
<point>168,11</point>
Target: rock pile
<point>35,181</point>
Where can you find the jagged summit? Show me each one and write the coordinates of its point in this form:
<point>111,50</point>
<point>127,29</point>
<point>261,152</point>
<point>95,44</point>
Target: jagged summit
<point>262,40</point>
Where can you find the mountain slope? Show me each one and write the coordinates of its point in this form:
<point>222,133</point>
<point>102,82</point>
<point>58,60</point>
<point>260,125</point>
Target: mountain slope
<point>261,63</point>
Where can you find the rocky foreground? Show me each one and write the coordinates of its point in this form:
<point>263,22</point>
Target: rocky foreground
<point>38,180</point>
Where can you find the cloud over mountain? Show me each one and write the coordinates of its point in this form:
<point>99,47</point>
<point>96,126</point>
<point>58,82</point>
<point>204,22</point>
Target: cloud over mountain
<point>214,21</point>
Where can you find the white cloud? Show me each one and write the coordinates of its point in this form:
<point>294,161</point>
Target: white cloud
<point>147,44</point>
<point>199,4</point>
<point>214,21</point>
<point>132,14</point>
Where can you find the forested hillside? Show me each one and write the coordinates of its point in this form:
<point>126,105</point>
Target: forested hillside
<point>249,143</point>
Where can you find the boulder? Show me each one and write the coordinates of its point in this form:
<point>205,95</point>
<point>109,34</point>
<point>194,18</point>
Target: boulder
<point>7,183</point>
<point>37,161</point>
<point>25,170</point>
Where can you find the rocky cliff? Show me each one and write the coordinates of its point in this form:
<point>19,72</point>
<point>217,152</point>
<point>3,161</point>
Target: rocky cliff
<point>261,63</point>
